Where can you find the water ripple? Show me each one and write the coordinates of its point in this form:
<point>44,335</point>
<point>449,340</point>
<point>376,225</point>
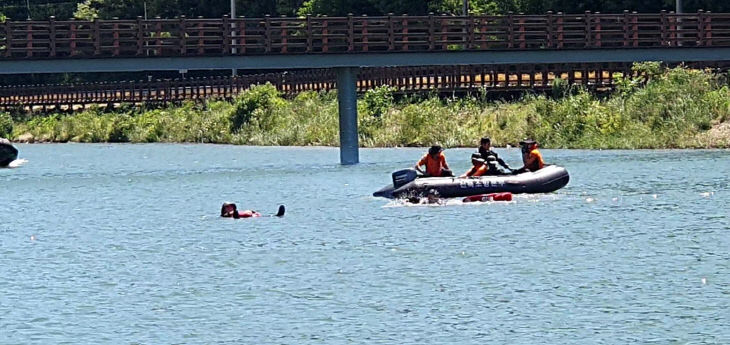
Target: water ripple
<point>122,244</point>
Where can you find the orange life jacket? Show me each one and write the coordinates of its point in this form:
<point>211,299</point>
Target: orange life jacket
<point>536,158</point>
<point>433,166</point>
<point>477,171</point>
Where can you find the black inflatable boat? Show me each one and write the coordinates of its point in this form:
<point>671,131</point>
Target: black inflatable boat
<point>406,184</point>
<point>8,153</point>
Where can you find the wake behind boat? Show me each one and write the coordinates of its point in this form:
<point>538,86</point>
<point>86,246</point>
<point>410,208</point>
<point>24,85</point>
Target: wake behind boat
<point>407,184</point>
<point>8,153</point>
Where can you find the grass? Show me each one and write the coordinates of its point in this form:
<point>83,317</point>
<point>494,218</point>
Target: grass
<point>664,108</point>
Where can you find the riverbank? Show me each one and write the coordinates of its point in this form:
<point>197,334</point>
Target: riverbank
<point>664,108</point>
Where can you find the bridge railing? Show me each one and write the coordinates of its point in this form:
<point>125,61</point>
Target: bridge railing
<point>269,35</point>
<point>442,79</point>
<point>401,79</point>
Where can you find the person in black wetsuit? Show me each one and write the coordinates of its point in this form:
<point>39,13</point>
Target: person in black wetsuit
<point>493,169</point>
<point>485,149</point>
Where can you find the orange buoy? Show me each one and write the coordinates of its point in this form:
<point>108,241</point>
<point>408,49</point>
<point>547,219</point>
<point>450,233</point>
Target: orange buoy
<point>506,196</point>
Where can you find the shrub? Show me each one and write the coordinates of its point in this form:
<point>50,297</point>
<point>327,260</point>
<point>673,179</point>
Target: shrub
<point>6,125</point>
<point>560,88</point>
<point>669,109</point>
<point>121,126</point>
<point>377,101</point>
<point>648,70</point>
<point>255,107</point>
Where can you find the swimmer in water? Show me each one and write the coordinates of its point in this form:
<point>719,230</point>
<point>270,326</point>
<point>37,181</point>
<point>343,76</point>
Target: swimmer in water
<point>229,210</point>
<point>432,197</point>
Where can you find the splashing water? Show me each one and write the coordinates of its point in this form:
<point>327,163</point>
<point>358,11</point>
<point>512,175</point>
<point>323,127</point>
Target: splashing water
<point>17,163</point>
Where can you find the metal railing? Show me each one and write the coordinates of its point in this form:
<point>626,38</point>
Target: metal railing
<point>323,35</point>
<point>443,79</point>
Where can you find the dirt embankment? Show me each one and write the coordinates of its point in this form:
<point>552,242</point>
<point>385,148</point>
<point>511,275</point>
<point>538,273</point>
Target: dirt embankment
<point>717,137</point>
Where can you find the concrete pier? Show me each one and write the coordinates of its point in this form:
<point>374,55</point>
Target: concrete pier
<point>347,99</point>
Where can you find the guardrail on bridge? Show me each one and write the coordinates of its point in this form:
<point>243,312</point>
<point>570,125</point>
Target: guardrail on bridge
<point>256,36</point>
<point>442,79</point>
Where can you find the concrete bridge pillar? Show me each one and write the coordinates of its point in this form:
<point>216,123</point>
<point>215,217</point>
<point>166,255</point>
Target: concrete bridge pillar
<point>347,100</point>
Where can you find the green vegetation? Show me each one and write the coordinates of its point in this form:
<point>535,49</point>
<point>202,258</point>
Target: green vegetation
<point>6,125</point>
<point>664,108</point>
<point>130,9</point>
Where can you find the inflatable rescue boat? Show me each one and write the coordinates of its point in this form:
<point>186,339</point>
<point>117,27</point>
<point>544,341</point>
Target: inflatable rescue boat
<point>8,153</point>
<point>406,183</point>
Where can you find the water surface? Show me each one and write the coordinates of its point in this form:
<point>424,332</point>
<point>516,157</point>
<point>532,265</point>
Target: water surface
<point>122,244</point>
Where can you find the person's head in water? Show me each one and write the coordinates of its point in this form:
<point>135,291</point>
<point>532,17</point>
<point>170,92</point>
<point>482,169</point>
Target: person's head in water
<point>433,196</point>
<point>435,150</point>
<point>414,200</point>
<point>485,143</point>
<point>476,159</point>
<point>228,209</point>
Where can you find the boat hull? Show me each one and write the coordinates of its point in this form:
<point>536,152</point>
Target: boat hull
<point>8,153</point>
<point>545,180</point>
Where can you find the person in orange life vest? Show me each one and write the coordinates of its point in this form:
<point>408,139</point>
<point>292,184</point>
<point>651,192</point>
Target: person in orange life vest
<point>435,163</point>
<point>229,210</point>
<point>531,157</point>
<point>479,168</point>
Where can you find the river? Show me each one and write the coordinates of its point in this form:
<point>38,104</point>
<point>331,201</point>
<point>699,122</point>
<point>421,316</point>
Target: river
<point>123,244</point>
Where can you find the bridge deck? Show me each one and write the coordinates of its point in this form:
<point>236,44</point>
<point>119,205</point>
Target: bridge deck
<point>678,54</point>
<point>325,42</point>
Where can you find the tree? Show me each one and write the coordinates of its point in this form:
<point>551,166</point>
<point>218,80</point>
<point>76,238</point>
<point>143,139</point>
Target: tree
<point>336,7</point>
<point>411,7</point>
<point>106,9</point>
<point>456,7</point>
<point>258,8</point>
<point>190,8</point>
<point>39,9</point>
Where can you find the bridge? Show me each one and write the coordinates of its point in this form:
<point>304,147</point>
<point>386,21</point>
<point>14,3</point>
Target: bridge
<point>402,80</point>
<point>347,44</point>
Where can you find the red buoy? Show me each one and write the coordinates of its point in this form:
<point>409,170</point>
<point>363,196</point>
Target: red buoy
<point>506,196</point>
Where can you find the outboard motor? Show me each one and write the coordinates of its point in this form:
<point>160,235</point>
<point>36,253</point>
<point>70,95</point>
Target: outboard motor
<point>403,177</point>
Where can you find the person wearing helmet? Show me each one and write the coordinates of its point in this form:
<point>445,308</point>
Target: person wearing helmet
<point>433,197</point>
<point>531,157</point>
<point>435,163</point>
<point>485,150</point>
<point>478,168</point>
